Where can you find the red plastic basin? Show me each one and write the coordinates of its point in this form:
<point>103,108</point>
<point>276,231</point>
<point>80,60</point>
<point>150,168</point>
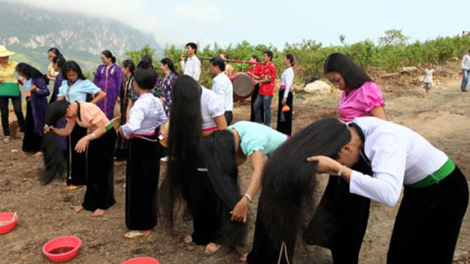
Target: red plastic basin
<point>6,225</point>
<point>141,260</point>
<point>71,242</point>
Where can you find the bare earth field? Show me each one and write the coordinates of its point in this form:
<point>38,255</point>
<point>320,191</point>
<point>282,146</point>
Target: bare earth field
<point>46,211</point>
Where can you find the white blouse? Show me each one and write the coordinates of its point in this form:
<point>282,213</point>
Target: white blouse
<point>211,107</point>
<point>287,79</point>
<point>398,156</point>
<point>145,116</point>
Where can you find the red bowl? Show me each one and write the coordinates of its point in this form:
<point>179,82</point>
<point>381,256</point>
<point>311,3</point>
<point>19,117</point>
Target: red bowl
<point>71,243</point>
<point>141,260</point>
<point>6,225</point>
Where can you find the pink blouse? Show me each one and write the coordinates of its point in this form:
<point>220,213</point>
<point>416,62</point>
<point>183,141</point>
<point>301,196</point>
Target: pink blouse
<point>360,102</point>
<point>91,115</point>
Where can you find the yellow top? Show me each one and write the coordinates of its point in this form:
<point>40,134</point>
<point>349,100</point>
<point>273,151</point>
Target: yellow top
<point>8,73</point>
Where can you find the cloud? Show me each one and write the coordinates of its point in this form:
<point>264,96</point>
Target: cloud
<point>177,21</point>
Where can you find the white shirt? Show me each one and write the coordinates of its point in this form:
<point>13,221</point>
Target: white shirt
<point>192,67</point>
<point>398,156</point>
<point>211,107</point>
<point>287,78</point>
<point>223,87</point>
<point>145,116</point>
<point>466,62</point>
<point>429,74</point>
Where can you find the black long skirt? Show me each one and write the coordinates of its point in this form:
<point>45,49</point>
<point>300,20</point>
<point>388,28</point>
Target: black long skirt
<point>428,222</point>
<point>253,99</point>
<point>32,140</point>
<point>143,172</point>
<point>100,173</point>
<point>76,162</point>
<point>284,125</point>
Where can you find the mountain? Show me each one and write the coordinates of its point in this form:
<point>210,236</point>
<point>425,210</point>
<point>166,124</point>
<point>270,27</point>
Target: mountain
<point>30,32</point>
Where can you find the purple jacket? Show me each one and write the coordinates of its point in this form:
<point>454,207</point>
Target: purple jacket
<point>39,105</point>
<point>109,81</point>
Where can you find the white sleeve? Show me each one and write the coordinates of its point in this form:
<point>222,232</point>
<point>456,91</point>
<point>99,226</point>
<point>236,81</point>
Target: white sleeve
<point>136,116</point>
<point>216,106</point>
<point>463,62</point>
<point>388,164</point>
<point>289,81</point>
<point>196,72</point>
<point>182,66</point>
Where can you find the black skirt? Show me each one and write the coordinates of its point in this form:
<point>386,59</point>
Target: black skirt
<point>284,124</point>
<point>100,172</point>
<point>32,140</point>
<point>428,222</point>
<point>143,172</point>
<point>76,162</point>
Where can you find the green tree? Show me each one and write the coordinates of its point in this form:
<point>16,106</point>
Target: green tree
<point>393,37</point>
<point>135,55</point>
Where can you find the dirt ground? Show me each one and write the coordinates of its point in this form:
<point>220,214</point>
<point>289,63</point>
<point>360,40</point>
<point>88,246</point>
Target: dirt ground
<point>46,211</point>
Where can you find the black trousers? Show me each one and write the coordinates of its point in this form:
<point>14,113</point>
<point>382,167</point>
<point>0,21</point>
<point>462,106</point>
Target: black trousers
<point>76,162</point>
<point>253,99</point>
<point>143,172</point>
<point>100,172</point>
<point>32,140</point>
<point>16,101</point>
<point>428,222</point>
<point>228,117</point>
<point>284,125</point>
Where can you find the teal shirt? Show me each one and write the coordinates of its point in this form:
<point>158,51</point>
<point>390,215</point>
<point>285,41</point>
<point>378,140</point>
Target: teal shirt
<point>254,137</point>
<point>78,91</point>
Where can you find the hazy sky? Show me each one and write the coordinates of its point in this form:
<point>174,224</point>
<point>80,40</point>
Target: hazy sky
<point>276,21</point>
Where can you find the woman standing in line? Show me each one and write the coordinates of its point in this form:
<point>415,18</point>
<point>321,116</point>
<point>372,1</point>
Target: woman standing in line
<point>76,88</point>
<point>36,105</point>
<point>284,118</point>
<point>108,77</point>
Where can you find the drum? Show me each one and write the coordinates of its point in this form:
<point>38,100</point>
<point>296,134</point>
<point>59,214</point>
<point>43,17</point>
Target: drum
<point>242,86</point>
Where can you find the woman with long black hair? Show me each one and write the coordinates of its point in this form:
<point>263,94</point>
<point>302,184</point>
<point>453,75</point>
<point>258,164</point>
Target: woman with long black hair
<point>435,190</point>
<point>58,63</point>
<point>284,116</point>
<point>36,105</point>
<point>195,112</point>
<point>108,77</point>
<point>101,143</point>
<point>126,99</point>
<point>349,213</point>
<point>77,88</point>
<point>143,168</point>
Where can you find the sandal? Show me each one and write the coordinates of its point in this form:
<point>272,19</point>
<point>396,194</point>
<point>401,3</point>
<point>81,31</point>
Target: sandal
<point>136,234</point>
<point>73,187</point>
<point>6,140</point>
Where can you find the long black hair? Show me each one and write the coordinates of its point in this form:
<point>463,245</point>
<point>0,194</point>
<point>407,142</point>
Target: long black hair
<point>222,171</point>
<point>109,55</point>
<point>292,60</point>
<point>54,162</point>
<point>56,51</point>
<point>129,64</point>
<point>353,75</point>
<point>288,182</point>
<point>30,72</point>
<point>72,66</point>
<point>184,149</point>
<point>168,62</point>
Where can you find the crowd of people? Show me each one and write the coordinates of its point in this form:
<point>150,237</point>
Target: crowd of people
<point>367,157</point>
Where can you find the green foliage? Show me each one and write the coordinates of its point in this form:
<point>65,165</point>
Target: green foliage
<point>135,55</point>
<point>393,37</point>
